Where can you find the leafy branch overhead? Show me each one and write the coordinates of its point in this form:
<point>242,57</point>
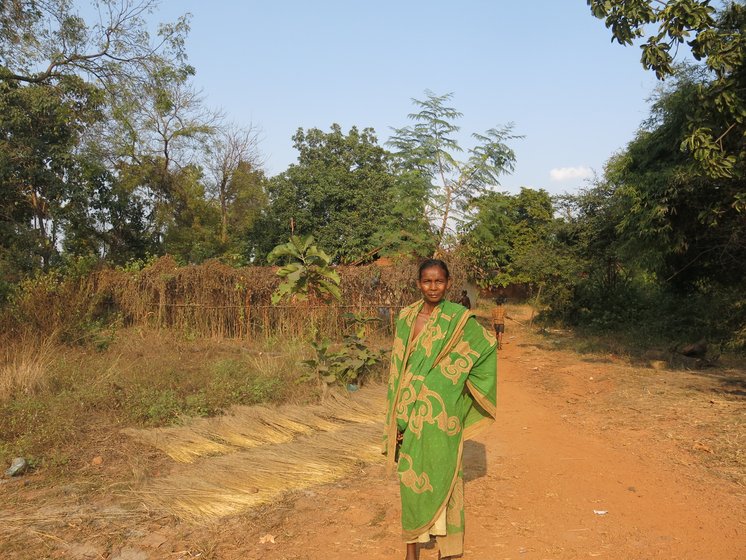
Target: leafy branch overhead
<point>307,271</point>
<point>45,42</point>
<point>717,127</point>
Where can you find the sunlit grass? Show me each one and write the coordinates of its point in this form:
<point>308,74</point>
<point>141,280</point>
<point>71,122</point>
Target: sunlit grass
<point>24,366</point>
<point>54,398</point>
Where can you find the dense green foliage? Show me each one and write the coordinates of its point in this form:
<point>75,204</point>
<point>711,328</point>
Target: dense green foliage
<point>501,230</point>
<point>109,155</point>
<point>345,191</point>
<point>688,228</point>
<point>43,176</point>
<point>662,245</point>
<point>663,233</point>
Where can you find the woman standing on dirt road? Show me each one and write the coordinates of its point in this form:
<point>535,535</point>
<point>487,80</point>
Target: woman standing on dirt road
<point>442,388</point>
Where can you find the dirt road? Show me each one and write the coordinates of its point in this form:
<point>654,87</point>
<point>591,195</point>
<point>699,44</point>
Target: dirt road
<point>543,483</point>
<point>589,458</point>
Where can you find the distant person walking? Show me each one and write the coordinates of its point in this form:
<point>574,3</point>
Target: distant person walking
<point>498,319</point>
<point>465,301</point>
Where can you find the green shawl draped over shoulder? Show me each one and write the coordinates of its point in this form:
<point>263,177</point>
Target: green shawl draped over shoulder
<point>442,388</point>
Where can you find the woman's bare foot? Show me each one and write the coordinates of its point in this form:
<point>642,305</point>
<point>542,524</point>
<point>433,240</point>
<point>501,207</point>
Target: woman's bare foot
<point>412,552</point>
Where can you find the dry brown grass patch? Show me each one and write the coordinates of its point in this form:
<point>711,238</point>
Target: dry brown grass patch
<point>698,416</point>
<point>254,455</point>
<point>25,365</point>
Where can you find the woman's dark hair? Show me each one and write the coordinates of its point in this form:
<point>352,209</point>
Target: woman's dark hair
<point>433,263</point>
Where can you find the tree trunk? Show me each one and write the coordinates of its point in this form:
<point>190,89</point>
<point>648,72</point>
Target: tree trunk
<point>535,306</point>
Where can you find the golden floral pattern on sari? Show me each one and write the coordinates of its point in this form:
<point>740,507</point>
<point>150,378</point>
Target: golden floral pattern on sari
<point>459,362</point>
<point>429,336</point>
<point>406,397</point>
<point>425,411</point>
<point>397,350</point>
<point>397,357</point>
<point>393,376</point>
<point>489,335</point>
<point>409,313</point>
<point>417,483</point>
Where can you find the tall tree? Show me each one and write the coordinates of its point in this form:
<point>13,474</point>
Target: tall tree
<point>500,232</point>
<point>231,158</point>
<point>157,130</point>
<point>343,190</point>
<point>40,130</point>
<point>116,217</point>
<point>430,147</point>
<point>43,41</point>
<point>58,76</point>
<point>405,229</point>
<point>687,228</point>
<point>192,230</point>
<point>660,245</point>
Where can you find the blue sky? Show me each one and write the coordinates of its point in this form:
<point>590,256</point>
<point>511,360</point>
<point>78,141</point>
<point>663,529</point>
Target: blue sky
<point>546,65</point>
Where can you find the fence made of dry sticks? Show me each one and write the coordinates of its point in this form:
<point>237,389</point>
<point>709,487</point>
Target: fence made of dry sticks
<point>213,299</point>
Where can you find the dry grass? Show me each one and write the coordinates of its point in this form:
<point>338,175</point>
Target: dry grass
<point>54,399</point>
<point>72,514</point>
<point>25,365</point>
<point>153,378</point>
<point>208,300</point>
<point>246,427</point>
<point>272,451</point>
<point>702,413</point>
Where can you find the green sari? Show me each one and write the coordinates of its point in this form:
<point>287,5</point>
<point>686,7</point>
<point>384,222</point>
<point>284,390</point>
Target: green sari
<point>442,388</point>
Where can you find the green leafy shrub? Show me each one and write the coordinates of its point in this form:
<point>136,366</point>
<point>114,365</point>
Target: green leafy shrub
<point>352,362</point>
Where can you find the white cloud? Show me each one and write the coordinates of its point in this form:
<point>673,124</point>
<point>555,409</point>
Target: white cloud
<point>565,173</point>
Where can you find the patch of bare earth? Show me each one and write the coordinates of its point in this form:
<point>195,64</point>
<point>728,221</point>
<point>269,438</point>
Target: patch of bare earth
<point>591,457</point>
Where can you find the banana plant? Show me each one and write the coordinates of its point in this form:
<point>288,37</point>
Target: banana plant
<point>307,270</point>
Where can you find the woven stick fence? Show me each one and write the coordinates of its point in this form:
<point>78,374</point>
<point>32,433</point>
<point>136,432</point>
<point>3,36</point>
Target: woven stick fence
<point>214,300</point>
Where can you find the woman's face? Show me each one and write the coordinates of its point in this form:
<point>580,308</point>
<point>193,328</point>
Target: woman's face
<point>433,284</point>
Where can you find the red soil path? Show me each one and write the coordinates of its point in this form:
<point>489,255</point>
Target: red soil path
<point>541,484</point>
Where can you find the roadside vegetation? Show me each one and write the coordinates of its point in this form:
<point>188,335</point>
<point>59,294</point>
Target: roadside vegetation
<point>135,279</point>
<point>56,398</point>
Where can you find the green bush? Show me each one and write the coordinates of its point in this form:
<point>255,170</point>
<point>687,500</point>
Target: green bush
<point>646,314</point>
<point>352,362</point>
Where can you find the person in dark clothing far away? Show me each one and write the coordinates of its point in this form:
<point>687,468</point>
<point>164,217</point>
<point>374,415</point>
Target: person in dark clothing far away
<point>465,301</point>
